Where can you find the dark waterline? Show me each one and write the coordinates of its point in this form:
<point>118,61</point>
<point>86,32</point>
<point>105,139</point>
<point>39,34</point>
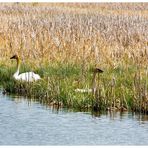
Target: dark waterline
<point>29,123</point>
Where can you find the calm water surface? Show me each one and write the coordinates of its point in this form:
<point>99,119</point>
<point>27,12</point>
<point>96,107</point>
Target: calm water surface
<point>24,123</point>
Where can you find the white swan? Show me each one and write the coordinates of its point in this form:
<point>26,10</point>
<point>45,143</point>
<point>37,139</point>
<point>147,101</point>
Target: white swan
<point>27,76</point>
<point>93,89</point>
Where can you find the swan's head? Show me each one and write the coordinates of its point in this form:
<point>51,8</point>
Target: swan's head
<point>15,57</point>
<point>97,70</point>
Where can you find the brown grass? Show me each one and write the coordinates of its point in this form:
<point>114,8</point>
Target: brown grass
<point>60,32</point>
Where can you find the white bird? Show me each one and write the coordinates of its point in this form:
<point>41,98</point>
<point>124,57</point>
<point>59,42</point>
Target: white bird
<point>27,76</point>
<point>93,89</point>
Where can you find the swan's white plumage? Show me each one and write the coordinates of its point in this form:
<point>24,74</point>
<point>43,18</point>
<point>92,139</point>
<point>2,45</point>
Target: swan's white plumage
<point>83,90</point>
<point>27,76</point>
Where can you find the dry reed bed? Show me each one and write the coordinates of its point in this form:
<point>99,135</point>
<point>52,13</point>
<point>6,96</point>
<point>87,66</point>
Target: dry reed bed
<point>56,33</point>
<point>111,36</point>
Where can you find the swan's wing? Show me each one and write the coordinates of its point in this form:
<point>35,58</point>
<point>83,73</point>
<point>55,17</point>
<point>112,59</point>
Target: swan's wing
<point>36,76</point>
<point>29,76</point>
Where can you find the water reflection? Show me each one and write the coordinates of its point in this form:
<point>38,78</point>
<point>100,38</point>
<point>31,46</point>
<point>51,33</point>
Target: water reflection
<point>142,118</point>
<point>113,115</point>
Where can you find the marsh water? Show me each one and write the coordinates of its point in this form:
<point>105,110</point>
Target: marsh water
<point>24,122</point>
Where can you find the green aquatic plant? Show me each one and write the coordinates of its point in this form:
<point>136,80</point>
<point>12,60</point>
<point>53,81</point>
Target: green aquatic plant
<point>57,87</point>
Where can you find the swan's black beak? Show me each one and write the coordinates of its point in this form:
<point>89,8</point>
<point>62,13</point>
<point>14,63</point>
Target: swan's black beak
<point>13,57</point>
<point>97,70</point>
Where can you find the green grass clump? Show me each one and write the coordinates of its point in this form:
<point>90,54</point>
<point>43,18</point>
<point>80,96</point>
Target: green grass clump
<point>115,89</point>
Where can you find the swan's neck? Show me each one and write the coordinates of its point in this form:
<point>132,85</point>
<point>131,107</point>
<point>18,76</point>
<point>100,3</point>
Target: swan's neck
<point>18,67</point>
<point>94,82</point>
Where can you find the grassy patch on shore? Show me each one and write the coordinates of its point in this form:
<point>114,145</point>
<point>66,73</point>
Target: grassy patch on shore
<point>118,89</point>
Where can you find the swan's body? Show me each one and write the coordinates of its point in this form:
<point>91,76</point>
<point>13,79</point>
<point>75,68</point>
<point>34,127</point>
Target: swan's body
<point>83,90</point>
<point>27,76</point>
<point>93,89</point>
